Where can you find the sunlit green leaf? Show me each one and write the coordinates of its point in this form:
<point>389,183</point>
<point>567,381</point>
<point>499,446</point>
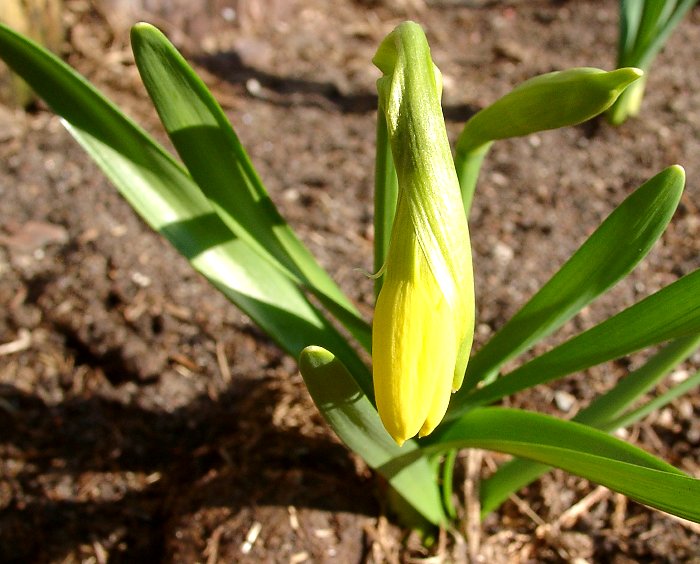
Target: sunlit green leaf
<point>217,161</point>
<point>608,412</point>
<point>548,101</point>
<point>608,255</point>
<point>162,192</point>
<point>578,449</point>
<point>670,313</point>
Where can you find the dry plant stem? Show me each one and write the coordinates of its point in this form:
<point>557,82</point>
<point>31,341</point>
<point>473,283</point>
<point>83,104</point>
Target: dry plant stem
<point>618,517</point>
<point>472,517</point>
<point>212,549</point>
<point>569,518</point>
<point>21,343</point>
<point>525,509</point>
<point>222,361</point>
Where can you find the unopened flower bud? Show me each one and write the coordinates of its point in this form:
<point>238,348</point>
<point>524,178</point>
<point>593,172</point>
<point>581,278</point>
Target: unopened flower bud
<point>424,318</point>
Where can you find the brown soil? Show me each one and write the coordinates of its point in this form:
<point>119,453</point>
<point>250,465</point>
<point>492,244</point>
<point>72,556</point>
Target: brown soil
<point>144,419</point>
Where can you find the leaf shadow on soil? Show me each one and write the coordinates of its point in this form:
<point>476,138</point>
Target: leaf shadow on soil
<point>96,470</point>
<point>287,91</point>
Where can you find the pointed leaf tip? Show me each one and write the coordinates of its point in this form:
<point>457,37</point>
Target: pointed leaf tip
<point>314,357</point>
<point>619,79</point>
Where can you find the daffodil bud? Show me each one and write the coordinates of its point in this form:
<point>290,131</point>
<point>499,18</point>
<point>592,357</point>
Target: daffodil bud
<point>424,317</point>
<point>548,101</point>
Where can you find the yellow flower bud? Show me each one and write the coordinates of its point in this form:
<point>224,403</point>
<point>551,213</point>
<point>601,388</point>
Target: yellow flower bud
<point>424,318</point>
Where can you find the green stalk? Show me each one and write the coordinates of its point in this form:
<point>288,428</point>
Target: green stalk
<point>468,164</point>
<point>386,190</point>
<point>448,467</point>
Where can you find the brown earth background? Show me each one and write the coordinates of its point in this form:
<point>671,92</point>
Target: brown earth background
<point>144,419</point>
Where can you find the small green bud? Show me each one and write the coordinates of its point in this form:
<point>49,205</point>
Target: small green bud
<point>424,318</point>
<point>549,101</point>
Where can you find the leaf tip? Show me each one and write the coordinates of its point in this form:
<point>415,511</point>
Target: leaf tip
<point>678,171</point>
<point>314,357</point>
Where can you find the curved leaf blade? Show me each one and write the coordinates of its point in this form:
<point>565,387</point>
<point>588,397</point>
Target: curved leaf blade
<point>165,196</point>
<point>217,161</point>
<point>608,412</point>
<point>609,254</point>
<point>578,449</point>
<point>548,101</point>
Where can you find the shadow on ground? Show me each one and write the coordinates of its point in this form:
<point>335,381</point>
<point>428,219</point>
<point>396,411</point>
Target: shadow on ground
<point>113,470</point>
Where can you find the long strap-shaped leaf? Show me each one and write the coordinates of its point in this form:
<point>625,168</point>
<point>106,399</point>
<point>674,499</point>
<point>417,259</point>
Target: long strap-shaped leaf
<point>217,161</point>
<point>578,449</point>
<point>670,313</point>
<point>608,255</point>
<point>549,101</point>
<point>603,413</point>
<point>170,202</point>
<point>355,420</point>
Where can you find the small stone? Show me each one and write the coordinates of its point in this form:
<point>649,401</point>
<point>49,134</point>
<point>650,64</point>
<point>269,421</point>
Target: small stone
<point>564,400</point>
<point>502,253</point>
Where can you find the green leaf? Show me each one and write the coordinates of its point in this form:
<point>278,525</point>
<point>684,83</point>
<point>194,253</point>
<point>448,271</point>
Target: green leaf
<point>217,161</point>
<point>608,255</point>
<point>603,413</point>
<point>670,313</point>
<point>355,420</point>
<point>607,408</point>
<point>657,403</point>
<point>162,192</point>
<point>548,101</point>
<point>578,449</point>
<point>645,26</point>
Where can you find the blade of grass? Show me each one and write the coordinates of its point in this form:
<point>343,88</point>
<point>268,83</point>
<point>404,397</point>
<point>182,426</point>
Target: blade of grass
<point>165,196</point>
<point>608,255</point>
<point>658,402</point>
<point>217,161</point>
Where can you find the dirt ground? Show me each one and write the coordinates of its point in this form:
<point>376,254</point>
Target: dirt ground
<point>144,419</point>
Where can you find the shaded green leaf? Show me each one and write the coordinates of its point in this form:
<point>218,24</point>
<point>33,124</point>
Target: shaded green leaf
<point>386,191</point>
<point>355,420</point>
